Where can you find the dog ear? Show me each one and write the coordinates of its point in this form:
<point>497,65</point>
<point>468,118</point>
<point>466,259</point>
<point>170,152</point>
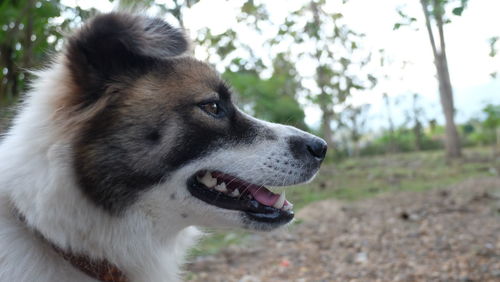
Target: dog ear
<point>115,44</point>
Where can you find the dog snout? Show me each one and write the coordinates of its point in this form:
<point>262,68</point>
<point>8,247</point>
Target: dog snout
<point>308,147</point>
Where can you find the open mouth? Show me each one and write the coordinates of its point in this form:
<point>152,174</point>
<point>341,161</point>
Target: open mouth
<point>229,192</point>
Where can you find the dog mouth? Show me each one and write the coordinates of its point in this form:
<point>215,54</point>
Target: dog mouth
<point>229,192</point>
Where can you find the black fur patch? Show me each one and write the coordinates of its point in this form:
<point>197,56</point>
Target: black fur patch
<point>114,45</point>
<point>109,160</point>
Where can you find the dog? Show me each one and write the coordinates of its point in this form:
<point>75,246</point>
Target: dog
<point>126,145</point>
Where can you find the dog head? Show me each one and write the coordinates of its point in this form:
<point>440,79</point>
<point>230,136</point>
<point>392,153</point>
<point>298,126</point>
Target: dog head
<point>156,130</point>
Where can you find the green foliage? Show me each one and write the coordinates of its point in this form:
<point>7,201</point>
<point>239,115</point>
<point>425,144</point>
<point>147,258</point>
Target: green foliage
<point>30,29</point>
<point>273,98</point>
<point>336,55</point>
<point>492,120</point>
<point>479,132</point>
<point>475,132</point>
<point>436,9</point>
<point>402,140</point>
<point>492,42</point>
<point>489,129</point>
<point>457,11</point>
<point>405,20</point>
<point>493,52</point>
<point>21,31</point>
<point>265,97</point>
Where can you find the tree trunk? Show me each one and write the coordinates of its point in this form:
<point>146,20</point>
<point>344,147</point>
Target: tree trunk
<point>326,127</point>
<point>28,33</point>
<point>417,125</point>
<point>417,130</point>
<point>322,80</point>
<point>452,140</point>
<point>10,88</point>
<point>392,147</point>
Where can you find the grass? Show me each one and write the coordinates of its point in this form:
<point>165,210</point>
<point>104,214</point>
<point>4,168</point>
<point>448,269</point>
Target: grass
<point>360,178</point>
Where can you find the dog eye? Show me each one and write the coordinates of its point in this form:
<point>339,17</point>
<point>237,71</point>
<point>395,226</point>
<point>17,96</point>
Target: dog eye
<point>212,108</point>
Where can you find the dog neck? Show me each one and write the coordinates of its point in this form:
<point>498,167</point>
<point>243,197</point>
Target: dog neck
<point>143,245</point>
<point>101,270</point>
<point>103,248</point>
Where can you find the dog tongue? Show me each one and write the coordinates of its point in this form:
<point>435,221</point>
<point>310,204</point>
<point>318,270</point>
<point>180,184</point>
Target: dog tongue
<point>262,195</point>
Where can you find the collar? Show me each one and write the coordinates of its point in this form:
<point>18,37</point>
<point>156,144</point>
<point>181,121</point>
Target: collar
<point>101,270</point>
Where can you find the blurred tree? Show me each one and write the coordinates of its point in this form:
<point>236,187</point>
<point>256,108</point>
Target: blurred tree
<point>391,144</point>
<point>433,125</point>
<point>416,114</point>
<point>273,98</point>
<point>492,123</point>
<point>27,31</point>
<point>434,14</point>
<point>174,7</point>
<point>331,45</point>
<point>354,119</point>
<point>436,10</point>
<point>230,49</point>
<point>484,131</point>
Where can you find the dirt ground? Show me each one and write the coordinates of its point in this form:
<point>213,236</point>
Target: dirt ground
<point>450,234</point>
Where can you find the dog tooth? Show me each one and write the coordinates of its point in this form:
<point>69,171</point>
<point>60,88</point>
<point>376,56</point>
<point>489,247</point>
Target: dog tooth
<point>281,201</point>
<point>221,187</point>
<point>235,193</point>
<point>208,180</point>
<point>287,206</point>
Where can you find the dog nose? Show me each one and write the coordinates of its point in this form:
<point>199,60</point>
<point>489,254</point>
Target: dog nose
<point>305,147</point>
<point>317,148</point>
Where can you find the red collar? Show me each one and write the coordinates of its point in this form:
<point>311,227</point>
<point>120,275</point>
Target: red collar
<point>101,270</point>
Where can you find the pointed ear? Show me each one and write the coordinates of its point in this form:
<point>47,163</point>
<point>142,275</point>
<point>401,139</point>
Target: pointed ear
<point>116,44</point>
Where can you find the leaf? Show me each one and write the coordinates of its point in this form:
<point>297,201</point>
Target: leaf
<point>458,11</point>
<point>401,14</point>
<point>372,79</point>
<point>492,43</point>
<point>337,16</point>
<point>397,26</point>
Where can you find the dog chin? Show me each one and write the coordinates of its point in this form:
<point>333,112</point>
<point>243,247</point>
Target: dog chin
<point>219,218</point>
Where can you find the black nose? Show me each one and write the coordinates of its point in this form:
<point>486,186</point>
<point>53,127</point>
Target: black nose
<point>317,148</point>
<point>305,147</point>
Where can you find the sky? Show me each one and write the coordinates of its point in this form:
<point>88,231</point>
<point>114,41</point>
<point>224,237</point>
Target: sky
<point>466,39</point>
<point>467,51</point>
